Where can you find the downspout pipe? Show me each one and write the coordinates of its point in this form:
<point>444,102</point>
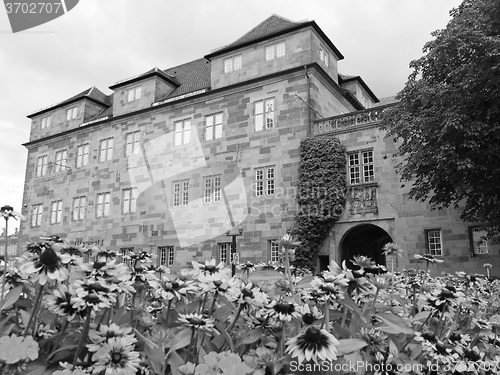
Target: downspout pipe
<point>309,113</point>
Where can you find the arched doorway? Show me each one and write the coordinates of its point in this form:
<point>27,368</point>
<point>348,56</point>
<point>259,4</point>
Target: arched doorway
<point>364,239</point>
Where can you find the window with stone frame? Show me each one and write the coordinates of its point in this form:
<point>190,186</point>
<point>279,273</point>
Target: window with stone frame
<point>103,204</point>
<point>71,113</point>
<point>182,132</point>
<point>56,212</point>
<point>41,165</point>
<point>36,215</point>
<point>225,255</point>
<point>61,161</point>
<point>180,193</point>
<point>275,51</point>
<point>212,192</point>
<point>82,155</point>
<point>434,241</point>
<point>213,126</point>
<point>129,200</point>
<point>134,93</point>
<point>106,149</point>
<point>233,63</point>
<point>166,256</point>
<point>360,167</point>
<point>79,208</point>
<point>132,143</point>
<point>274,251</point>
<point>124,255</point>
<point>479,241</point>
<point>265,181</point>
<point>264,114</point>
<point>45,121</point>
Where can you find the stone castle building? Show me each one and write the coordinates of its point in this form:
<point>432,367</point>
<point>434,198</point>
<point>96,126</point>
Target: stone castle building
<point>173,159</point>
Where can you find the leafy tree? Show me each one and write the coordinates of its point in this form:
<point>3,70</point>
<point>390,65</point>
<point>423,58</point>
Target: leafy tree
<point>448,116</point>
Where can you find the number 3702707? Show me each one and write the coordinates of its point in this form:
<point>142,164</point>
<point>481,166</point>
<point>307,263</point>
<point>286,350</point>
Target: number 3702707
<point>33,8</point>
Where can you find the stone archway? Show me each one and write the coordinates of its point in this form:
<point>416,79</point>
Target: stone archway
<point>364,239</point>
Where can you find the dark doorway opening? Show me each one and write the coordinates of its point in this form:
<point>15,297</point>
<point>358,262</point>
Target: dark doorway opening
<point>324,261</point>
<point>367,240</point>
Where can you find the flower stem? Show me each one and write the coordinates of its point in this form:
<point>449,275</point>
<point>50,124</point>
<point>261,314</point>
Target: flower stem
<point>85,332</point>
<point>35,308</point>
<point>288,272</point>
<point>168,311</point>
<point>213,303</point>
<point>235,318</point>
<point>373,304</point>
<point>59,338</point>
<point>190,345</point>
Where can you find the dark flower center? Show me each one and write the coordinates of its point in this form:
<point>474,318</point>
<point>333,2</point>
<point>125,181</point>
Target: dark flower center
<point>308,318</point>
<point>441,349</point>
<point>429,337</point>
<point>49,258</point>
<point>116,357</point>
<point>247,293</point>
<point>197,322</point>
<point>313,339</point>
<point>445,293</point>
<point>218,283</point>
<point>473,356</point>
<point>210,269</point>
<point>92,298</point>
<point>284,308</point>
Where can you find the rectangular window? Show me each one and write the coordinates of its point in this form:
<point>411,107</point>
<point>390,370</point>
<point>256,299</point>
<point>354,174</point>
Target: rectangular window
<point>212,189</point>
<point>134,93</point>
<point>434,242</point>
<point>132,143</point>
<point>323,56</point>
<point>79,208</point>
<point>41,165</point>
<point>124,255</point>
<point>274,251</point>
<point>361,167</point>
<point>106,149</point>
<point>36,215</point>
<point>61,161</point>
<point>56,212</point>
<point>213,127</point>
<point>71,113</point>
<point>264,181</point>
<point>225,255</point>
<point>45,122</point>
<point>275,51</point>
<point>264,114</point>
<point>129,200</point>
<point>233,63</point>
<point>166,256</point>
<point>103,204</point>
<point>182,132</point>
<point>82,155</point>
<point>479,241</point>
<point>180,193</point>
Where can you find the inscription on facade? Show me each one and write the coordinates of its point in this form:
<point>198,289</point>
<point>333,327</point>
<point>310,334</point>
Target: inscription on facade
<point>97,242</point>
<point>365,117</point>
<point>362,200</point>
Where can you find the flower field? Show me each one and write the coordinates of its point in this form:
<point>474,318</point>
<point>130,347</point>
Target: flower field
<point>61,316</point>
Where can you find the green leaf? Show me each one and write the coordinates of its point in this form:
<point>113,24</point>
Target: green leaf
<point>224,334</point>
<point>252,336</point>
<point>350,345</point>
<point>12,296</point>
<point>394,324</point>
<point>181,340</point>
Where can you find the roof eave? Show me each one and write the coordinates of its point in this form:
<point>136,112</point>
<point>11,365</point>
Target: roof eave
<point>364,85</point>
<point>142,77</point>
<point>287,30</point>
<point>65,103</point>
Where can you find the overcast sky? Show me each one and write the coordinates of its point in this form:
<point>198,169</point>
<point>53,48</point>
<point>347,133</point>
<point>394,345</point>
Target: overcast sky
<point>100,42</point>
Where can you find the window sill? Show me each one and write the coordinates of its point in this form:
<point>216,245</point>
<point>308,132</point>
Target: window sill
<point>364,184</point>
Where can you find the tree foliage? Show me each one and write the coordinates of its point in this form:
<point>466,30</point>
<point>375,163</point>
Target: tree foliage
<point>321,195</point>
<point>448,116</point>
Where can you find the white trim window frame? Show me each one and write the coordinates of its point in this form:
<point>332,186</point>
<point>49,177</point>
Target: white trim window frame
<point>324,56</point>
<point>434,239</point>
<point>82,155</point>
<point>479,240</point>
<point>134,93</point>
<point>264,113</point>
<point>132,143</point>
<point>274,252</point>
<point>361,167</point>
<point>103,205</point>
<point>212,192</point>
<point>265,181</point>
<point>79,208</point>
<point>105,149</point>
<point>233,63</point>
<point>45,121</point>
<point>213,126</point>
<point>129,205</point>
<point>182,132</point>
<point>180,193</point>
<point>61,161</point>
<point>56,212</point>
<point>275,51</point>
<point>36,215</point>
<point>71,113</point>
<point>41,165</point>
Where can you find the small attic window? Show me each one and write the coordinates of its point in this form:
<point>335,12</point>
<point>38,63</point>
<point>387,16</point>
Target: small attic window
<point>134,93</point>
<point>45,122</point>
<point>71,113</point>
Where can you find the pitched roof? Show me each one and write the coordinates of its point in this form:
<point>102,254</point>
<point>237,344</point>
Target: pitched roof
<point>273,26</point>
<point>92,93</point>
<point>345,78</point>
<point>192,76</point>
<point>152,72</point>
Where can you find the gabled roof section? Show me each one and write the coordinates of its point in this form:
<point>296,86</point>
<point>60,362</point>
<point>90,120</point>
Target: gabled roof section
<point>345,79</point>
<point>270,28</point>
<point>93,94</point>
<point>192,76</point>
<point>150,73</point>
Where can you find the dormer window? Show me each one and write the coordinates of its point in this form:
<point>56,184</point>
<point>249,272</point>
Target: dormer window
<point>275,51</point>
<point>71,113</point>
<point>232,63</point>
<point>45,122</point>
<point>134,93</point>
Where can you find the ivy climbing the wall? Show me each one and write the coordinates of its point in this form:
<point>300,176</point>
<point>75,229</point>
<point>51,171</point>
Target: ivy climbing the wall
<point>321,195</point>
